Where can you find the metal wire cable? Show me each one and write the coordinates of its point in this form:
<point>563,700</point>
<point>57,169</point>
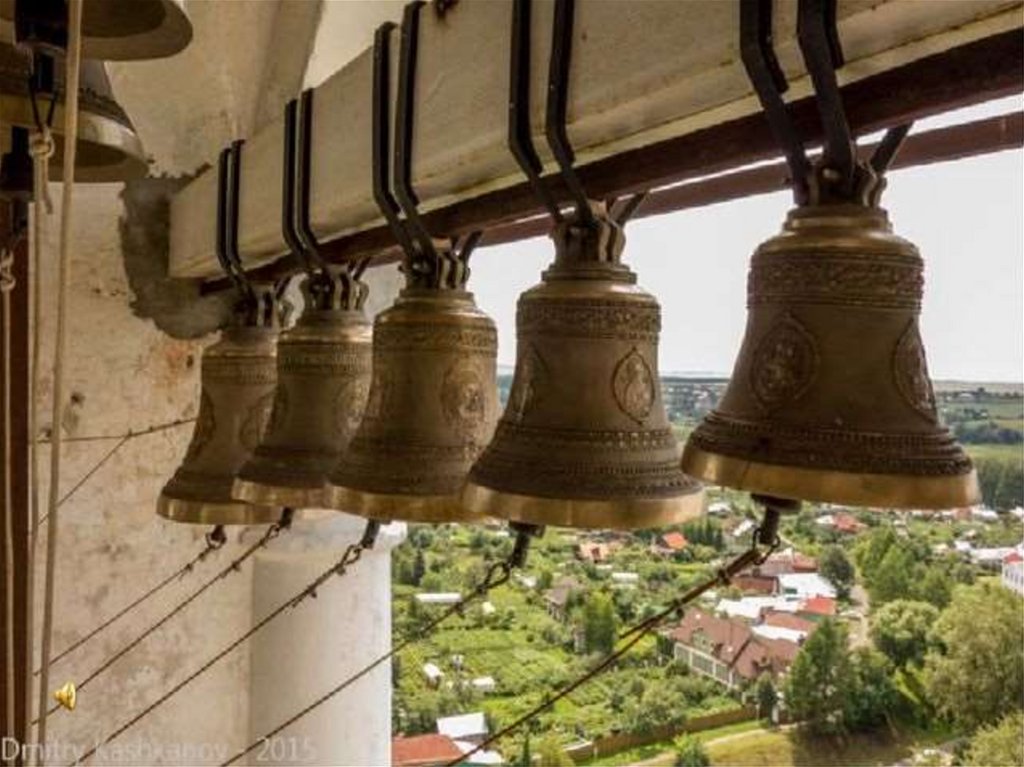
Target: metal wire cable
<point>272,532</point>
<point>632,636</point>
<point>214,541</point>
<point>130,434</point>
<point>351,555</point>
<point>498,574</point>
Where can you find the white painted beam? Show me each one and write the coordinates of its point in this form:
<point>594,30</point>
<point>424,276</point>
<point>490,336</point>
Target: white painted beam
<point>642,71</point>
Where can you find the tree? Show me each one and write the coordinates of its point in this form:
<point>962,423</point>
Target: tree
<point>900,629</point>
<point>551,754</point>
<point>998,744</point>
<point>873,697</point>
<point>599,624</point>
<point>690,752</point>
<point>893,577</point>
<point>976,673</point>
<point>766,695</point>
<point>819,679</point>
<point>419,568</point>
<point>836,567</point>
<point>525,758</point>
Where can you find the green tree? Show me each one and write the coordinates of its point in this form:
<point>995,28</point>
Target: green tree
<point>819,679</point>
<point>525,758</point>
<point>551,754</point>
<point>599,624</point>
<point>835,566</point>
<point>933,584</point>
<point>999,744</point>
<point>419,568</point>
<point>873,697</point>
<point>1010,491</point>
<point>894,576</point>
<point>976,673</point>
<point>766,695</point>
<point>901,628</point>
<point>690,752</point>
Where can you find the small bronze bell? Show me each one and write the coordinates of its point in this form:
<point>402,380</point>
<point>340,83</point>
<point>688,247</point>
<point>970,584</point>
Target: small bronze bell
<point>112,30</point>
<point>239,374</point>
<point>323,375</point>
<point>585,440</point>
<point>830,398</point>
<point>67,696</point>
<point>108,148</point>
<point>432,406</point>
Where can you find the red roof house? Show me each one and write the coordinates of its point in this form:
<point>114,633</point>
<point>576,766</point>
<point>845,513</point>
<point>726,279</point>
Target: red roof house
<point>845,523</point>
<point>821,606</point>
<point>675,541</point>
<point>1012,558</point>
<point>423,750</point>
<point>789,621</point>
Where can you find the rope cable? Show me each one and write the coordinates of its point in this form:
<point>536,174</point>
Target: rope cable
<point>130,434</point>
<point>73,62</point>
<point>214,541</point>
<point>272,532</point>
<point>351,555</point>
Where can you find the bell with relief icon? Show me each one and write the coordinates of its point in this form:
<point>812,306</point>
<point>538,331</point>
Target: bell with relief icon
<point>238,375</point>
<point>108,148</point>
<point>830,399</point>
<point>323,377</point>
<point>112,30</point>
<point>432,404</point>
<point>584,440</point>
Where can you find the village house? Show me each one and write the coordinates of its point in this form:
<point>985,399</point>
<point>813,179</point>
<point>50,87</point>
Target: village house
<point>670,544</point>
<point>1013,572</point>
<point>728,650</point>
<point>556,599</point>
<point>468,728</point>
<point>431,750</point>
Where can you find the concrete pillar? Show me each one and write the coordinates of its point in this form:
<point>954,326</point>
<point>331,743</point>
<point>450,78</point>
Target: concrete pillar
<point>304,653</point>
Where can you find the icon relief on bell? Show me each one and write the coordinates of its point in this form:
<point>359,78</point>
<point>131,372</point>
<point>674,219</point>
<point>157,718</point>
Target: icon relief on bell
<point>784,365</point>
<point>633,386</point>
<point>910,369</point>
<point>526,384</point>
<point>463,399</point>
<point>256,422</point>
<point>350,403</point>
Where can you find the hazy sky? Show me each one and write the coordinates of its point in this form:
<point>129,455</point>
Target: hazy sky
<point>966,217</point>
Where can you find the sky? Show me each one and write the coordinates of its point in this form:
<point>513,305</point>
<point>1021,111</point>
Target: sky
<point>966,218</point>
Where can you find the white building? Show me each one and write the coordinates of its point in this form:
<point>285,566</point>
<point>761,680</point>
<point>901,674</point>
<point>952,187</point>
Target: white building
<point>780,632</point>
<point>1013,573</point>
<point>751,608</point>
<point>470,728</point>
<point>485,684</point>
<point>805,586</point>
<point>439,598</point>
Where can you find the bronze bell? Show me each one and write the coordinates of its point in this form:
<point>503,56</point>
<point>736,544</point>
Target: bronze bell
<point>432,405</point>
<point>108,148</point>
<point>239,375</point>
<point>584,440</point>
<point>830,398</point>
<point>323,374</point>
<point>112,30</point>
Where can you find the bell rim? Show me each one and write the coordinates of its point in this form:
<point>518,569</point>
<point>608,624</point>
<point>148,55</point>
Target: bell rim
<point>400,507</point>
<point>873,490</point>
<point>640,513</point>
<point>301,498</point>
<point>215,512</point>
<point>100,131</point>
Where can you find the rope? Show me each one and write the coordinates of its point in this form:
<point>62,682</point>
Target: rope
<point>632,637</point>
<point>272,532</point>
<point>498,574</point>
<point>214,541</point>
<point>73,63</point>
<point>128,435</point>
<point>350,556</point>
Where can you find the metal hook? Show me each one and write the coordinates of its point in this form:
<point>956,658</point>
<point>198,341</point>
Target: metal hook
<point>769,82</point>
<point>381,140</point>
<point>288,230</point>
<point>402,170</point>
<point>888,148</point>
<point>231,210</point>
<point>819,44</point>
<point>557,106</point>
<point>304,151</point>
<point>520,140</point>
<point>221,245</point>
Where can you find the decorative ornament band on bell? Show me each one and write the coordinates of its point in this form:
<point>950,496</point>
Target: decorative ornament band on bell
<point>109,150</point>
<point>584,440</point>
<point>323,378</point>
<point>112,30</point>
<point>830,399</point>
<point>239,375</point>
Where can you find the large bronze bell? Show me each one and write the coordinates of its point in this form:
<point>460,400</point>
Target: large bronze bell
<point>112,30</point>
<point>584,440</point>
<point>108,148</point>
<point>323,377</point>
<point>432,406</point>
<point>239,374</point>
<point>830,398</point>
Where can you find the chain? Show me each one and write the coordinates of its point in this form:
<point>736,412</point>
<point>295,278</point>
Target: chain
<point>497,575</point>
<point>349,557</point>
<point>272,532</point>
<point>215,540</point>
<point>629,639</point>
